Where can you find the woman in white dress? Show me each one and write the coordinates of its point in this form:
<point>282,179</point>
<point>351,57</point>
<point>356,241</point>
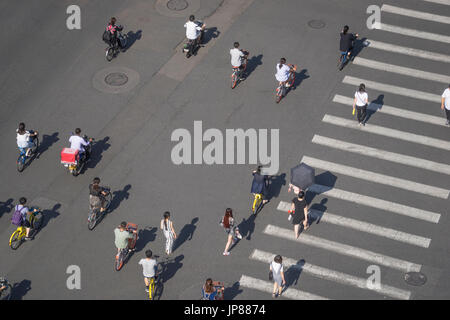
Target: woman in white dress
<point>169,232</point>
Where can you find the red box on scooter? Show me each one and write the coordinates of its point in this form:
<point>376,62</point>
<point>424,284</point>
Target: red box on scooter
<point>69,156</point>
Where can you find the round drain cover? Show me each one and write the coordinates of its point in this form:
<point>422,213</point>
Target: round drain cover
<point>116,79</point>
<point>177,5</point>
<point>415,278</point>
<point>316,24</point>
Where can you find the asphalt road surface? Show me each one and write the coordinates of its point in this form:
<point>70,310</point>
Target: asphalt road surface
<point>380,202</point>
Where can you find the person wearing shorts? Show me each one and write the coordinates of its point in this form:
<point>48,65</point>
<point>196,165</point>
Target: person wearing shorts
<point>148,268</point>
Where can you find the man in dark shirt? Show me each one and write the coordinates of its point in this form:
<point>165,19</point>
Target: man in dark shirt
<point>259,184</point>
<point>96,194</point>
<point>347,39</point>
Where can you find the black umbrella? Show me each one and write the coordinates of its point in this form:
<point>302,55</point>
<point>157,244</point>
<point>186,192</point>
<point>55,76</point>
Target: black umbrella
<point>302,176</point>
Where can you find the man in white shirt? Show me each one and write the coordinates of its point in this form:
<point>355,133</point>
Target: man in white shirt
<point>445,105</point>
<point>193,30</point>
<point>237,56</point>
<point>78,143</point>
<point>283,71</point>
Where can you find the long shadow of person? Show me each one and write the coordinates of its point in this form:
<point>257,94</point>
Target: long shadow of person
<point>96,154</point>
<point>326,179</point>
<point>6,207</point>
<point>170,268</point>
<point>118,197</point>
<point>47,142</point>
<point>132,37</point>
<point>19,290</point>
<point>146,235</point>
<point>293,273</point>
<point>231,292</point>
<point>358,46</point>
<point>317,210</point>
<point>374,106</point>
<point>185,234</point>
<point>247,226</point>
<point>275,185</point>
<point>252,64</point>
<point>47,215</point>
<point>300,77</point>
<point>209,34</point>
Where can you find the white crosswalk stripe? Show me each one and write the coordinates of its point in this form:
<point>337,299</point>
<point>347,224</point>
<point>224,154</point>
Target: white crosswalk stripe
<point>362,226</point>
<point>388,132</point>
<point>382,154</point>
<point>343,249</point>
<point>444,2</point>
<point>412,33</point>
<point>376,177</point>
<point>331,275</point>
<point>409,51</point>
<point>394,111</point>
<point>386,67</point>
<point>376,203</point>
<point>266,286</point>
<point>415,14</point>
<point>393,89</point>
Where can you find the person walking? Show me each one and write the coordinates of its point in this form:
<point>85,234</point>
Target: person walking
<point>299,213</point>
<point>445,105</point>
<point>233,231</point>
<point>277,273</point>
<point>169,232</point>
<point>360,103</point>
<point>148,268</point>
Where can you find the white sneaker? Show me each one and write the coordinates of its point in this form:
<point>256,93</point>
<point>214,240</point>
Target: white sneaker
<point>239,236</point>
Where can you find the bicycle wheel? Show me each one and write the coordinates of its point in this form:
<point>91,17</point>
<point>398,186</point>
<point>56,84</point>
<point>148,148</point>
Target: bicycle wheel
<point>21,163</point>
<point>110,54</point>
<point>16,240</point>
<point>233,80</point>
<point>92,221</point>
<point>119,261</point>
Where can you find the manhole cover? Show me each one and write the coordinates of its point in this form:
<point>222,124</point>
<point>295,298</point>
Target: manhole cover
<point>415,278</point>
<point>177,5</point>
<point>116,79</point>
<point>316,24</point>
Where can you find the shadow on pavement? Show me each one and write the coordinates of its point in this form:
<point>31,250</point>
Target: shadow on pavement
<point>6,207</point>
<point>253,63</point>
<point>19,290</point>
<point>318,207</point>
<point>378,101</point>
<point>299,77</point>
<point>210,33</point>
<point>47,142</point>
<point>186,234</point>
<point>358,46</point>
<point>275,185</point>
<point>132,37</point>
<point>231,292</point>
<point>118,197</point>
<point>96,154</point>
<point>292,274</point>
<point>326,179</point>
<point>146,235</point>
<point>247,226</point>
<point>47,215</point>
<point>170,267</point>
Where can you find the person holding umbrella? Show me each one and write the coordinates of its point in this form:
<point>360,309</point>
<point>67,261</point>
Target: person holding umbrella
<point>299,213</point>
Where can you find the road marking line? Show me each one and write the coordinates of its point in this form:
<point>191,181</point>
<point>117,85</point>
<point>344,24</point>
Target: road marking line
<point>382,154</point>
<point>266,286</point>
<point>343,249</point>
<point>402,70</point>
<point>394,89</point>
<point>376,203</point>
<point>444,2</point>
<point>409,51</point>
<point>376,177</point>
<point>415,14</point>
<point>398,112</point>
<point>388,132</point>
<point>362,226</point>
<point>412,32</point>
<point>331,275</point>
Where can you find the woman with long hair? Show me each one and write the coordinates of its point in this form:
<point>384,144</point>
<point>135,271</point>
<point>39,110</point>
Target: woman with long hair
<point>360,103</point>
<point>169,232</point>
<point>230,228</point>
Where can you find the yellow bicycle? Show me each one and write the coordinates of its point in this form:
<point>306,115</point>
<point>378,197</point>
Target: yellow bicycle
<point>35,219</point>
<point>257,203</point>
<point>155,282</point>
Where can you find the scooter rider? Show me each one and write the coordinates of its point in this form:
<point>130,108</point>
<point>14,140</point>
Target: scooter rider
<point>77,142</point>
<point>194,31</point>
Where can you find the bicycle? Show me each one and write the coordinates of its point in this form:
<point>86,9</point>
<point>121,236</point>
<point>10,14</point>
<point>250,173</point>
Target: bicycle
<point>113,50</point>
<point>237,72</point>
<point>22,160</point>
<point>6,292</point>
<point>20,233</point>
<point>343,59</point>
<point>257,203</point>
<point>124,254</point>
<point>95,216</point>
<point>282,88</point>
<point>155,282</point>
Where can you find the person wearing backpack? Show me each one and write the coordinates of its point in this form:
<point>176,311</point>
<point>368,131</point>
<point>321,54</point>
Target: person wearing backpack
<point>20,217</point>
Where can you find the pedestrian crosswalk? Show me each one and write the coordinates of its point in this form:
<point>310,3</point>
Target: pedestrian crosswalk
<point>397,97</point>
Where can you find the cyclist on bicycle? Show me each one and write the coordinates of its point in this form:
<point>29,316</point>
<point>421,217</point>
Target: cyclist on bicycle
<point>25,139</point>
<point>26,216</point>
<point>148,268</point>
<point>283,72</point>
<point>194,31</point>
<point>211,289</point>
<point>237,56</point>
<point>113,28</point>
<point>122,235</point>
<point>77,142</point>
<point>260,184</point>
<point>347,40</point>
<point>96,195</point>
